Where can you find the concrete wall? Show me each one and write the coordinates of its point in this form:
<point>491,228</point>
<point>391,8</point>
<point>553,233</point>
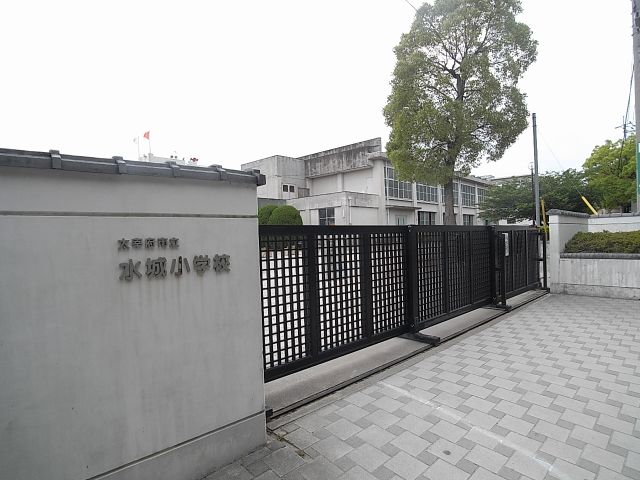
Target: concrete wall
<point>606,275</point>
<point>599,275</point>
<point>150,378</point>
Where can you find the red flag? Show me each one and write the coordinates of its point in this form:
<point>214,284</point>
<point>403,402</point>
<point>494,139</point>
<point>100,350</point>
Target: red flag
<point>146,135</point>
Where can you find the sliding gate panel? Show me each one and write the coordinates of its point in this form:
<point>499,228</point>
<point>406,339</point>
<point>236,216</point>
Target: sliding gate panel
<point>453,271</point>
<point>327,291</point>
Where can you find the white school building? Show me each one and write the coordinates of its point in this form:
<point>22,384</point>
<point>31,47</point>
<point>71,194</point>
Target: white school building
<point>357,185</point>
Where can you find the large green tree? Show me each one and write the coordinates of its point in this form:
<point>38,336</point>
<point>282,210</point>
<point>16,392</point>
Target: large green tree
<point>611,173</point>
<point>514,199</point>
<point>454,99</point>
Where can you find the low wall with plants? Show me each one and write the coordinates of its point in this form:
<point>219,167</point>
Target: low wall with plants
<point>594,263</point>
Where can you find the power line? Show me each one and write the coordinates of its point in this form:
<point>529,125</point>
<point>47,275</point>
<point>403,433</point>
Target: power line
<point>409,3</point>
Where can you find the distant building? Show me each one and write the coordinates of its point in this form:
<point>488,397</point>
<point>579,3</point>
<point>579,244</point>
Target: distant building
<point>357,185</point>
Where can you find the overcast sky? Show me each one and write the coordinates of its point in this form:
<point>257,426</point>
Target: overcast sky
<point>233,81</point>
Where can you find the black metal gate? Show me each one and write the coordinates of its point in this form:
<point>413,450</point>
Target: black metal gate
<point>327,291</point>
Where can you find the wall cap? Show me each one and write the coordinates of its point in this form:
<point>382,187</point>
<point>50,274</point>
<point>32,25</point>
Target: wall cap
<point>610,256</point>
<point>118,166</point>
<point>567,213</point>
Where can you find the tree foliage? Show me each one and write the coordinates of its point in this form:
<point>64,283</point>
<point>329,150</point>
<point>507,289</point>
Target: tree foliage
<point>454,98</point>
<point>285,215</point>
<point>514,199</point>
<point>264,213</point>
<point>611,173</point>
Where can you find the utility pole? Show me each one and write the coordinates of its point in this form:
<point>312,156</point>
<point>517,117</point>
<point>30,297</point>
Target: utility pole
<point>635,14</point>
<point>536,179</point>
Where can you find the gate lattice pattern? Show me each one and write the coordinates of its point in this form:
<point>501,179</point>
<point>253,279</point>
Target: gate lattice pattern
<point>327,291</point>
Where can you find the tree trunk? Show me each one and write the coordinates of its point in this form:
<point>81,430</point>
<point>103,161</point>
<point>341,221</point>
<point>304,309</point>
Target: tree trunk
<point>449,216</point>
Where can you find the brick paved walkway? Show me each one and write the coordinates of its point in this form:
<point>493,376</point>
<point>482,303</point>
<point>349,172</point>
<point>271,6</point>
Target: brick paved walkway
<point>552,391</point>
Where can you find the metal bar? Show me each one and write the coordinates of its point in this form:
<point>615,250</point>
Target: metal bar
<point>503,271</point>
<point>413,305</point>
<point>544,263</point>
<point>492,254</point>
<point>469,258</point>
<point>445,271</point>
<point>366,289</point>
<point>312,291</point>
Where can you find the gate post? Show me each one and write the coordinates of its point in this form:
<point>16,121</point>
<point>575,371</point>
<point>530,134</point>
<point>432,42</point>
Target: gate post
<point>312,293</point>
<point>367,290</point>
<point>493,256</point>
<point>413,308</point>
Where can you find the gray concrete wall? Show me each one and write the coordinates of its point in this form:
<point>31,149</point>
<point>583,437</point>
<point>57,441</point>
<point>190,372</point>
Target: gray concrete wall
<point>151,378</point>
<point>599,277</point>
<point>591,274</point>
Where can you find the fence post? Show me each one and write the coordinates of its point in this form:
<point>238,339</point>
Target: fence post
<point>445,271</point>
<point>367,290</point>
<point>503,269</point>
<point>526,257</point>
<point>469,258</point>
<point>312,292</point>
<point>493,255</point>
<point>413,307</point>
<point>544,262</point>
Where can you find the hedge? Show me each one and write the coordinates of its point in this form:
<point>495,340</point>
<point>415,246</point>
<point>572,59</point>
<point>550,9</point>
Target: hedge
<point>604,242</point>
<point>264,213</point>
<point>285,215</point>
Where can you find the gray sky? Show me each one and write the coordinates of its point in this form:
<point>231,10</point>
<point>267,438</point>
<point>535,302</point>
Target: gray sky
<point>230,82</point>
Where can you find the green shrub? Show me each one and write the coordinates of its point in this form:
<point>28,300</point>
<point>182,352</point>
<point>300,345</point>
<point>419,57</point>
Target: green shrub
<point>264,213</point>
<point>604,242</point>
<point>285,215</point>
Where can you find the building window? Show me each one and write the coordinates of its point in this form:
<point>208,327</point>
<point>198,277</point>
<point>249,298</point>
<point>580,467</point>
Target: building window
<point>467,219</point>
<point>288,188</point>
<point>455,193</point>
<point>395,188</point>
<point>468,196</point>
<point>482,192</point>
<point>285,188</point>
<point>327,216</point>
<point>426,218</point>
<point>426,193</point>
<point>401,220</point>
<point>292,188</point>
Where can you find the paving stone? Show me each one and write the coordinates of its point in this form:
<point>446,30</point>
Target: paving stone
<point>448,431</point>
<point>561,450</point>
<point>625,441</point>
<point>352,412</point>
<point>603,457</point>
<point>332,448</point>
<point>368,457</point>
<point>486,458</point>
<point>447,451</point>
<point>301,438</point>
<point>406,466</point>
<point>442,470</point>
<point>375,436</point>
<point>357,473</point>
<point>414,424</point>
<point>343,429</point>
<point>410,443</point>
<point>566,470</point>
<point>283,460</point>
<point>551,430</point>
<point>515,425</point>
<point>320,469</point>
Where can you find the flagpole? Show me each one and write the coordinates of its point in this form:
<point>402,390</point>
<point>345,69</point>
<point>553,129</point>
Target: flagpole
<point>138,145</point>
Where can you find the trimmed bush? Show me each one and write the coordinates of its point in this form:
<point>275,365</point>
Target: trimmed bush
<point>604,242</point>
<point>285,215</point>
<point>264,213</point>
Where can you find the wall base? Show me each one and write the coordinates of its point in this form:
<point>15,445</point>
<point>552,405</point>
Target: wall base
<point>627,293</point>
<point>194,459</point>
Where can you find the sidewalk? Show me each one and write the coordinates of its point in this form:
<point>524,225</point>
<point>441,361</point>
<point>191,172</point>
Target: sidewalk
<point>551,391</point>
